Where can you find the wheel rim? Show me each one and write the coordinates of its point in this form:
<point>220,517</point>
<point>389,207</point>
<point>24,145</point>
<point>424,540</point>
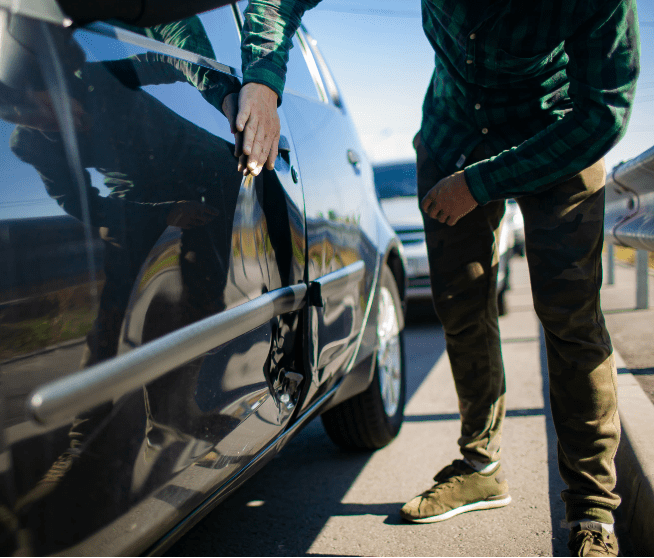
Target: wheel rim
<point>389,358</point>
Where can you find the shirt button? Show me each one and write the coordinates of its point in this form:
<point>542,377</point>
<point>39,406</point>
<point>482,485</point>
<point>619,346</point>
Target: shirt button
<point>477,106</point>
<point>468,61</point>
<point>473,37</point>
<point>484,130</point>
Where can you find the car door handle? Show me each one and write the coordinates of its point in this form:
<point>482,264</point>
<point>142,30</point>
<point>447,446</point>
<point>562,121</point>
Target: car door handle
<point>283,151</point>
<point>284,146</point>
<point>353,158</point>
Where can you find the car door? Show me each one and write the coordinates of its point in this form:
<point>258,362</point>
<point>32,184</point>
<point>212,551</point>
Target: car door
<point>179,284</point>
<point>338,195</point>
<point>341,258</point>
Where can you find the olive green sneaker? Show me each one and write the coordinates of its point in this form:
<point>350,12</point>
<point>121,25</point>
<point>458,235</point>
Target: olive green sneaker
<point>590,539</point>
<point>458,489</point>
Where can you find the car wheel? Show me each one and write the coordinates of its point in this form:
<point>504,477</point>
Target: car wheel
<point>373,418</point>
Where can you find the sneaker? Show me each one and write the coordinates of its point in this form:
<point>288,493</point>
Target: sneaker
<point>589,539</point>
<point>458,489</point>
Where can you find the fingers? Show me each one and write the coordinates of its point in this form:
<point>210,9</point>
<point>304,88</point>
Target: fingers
<point>259,150</point>
<point>262,150</point>
<point>242,163</point>
<point>259,122</point>
<point>229,109</point>
<point>272,155</point>
<point>249,134</point>
<point>238,144</point>
<point>433,205</point>
<point>244,109</point>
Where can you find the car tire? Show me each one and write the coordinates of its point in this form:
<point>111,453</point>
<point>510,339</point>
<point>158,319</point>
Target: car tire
<point>372,419</point>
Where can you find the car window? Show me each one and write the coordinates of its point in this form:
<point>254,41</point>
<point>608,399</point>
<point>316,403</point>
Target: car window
<point>223,32</point>
<point>327,78</point>
<point>396,180</point>
<point>299,79</point>
<point>213,34</point>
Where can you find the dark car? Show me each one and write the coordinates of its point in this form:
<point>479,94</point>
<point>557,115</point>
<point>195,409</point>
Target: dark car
<point>397,189</point>
<point>168,325</point>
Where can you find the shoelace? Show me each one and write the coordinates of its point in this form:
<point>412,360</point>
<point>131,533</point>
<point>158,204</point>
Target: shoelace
<point>590,538</point>
<point>457,468</point>
<point>59,468</point>
<point>450,474</point>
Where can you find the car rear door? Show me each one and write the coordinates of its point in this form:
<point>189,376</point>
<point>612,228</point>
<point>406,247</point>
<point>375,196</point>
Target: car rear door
<point>158,288</point>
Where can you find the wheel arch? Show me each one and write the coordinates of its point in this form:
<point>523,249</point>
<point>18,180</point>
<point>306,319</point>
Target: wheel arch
<point>396,262</point>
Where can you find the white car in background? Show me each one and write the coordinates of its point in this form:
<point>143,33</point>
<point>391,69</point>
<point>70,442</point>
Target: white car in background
<point>397,190</point>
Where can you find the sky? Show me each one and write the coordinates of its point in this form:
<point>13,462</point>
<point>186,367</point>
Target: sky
<point>382,63</point>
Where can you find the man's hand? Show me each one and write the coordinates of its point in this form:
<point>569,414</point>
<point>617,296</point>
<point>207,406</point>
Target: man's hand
<point>230,109</point>
<point>258,120</point>
<point>449,200</point>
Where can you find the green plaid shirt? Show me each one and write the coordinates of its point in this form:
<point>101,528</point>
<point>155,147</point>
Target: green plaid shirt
<point>548,86</point>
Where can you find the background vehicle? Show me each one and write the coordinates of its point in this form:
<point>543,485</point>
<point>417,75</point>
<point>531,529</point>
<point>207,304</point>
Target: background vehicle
<point>397,188</point>
<point>166,325</point>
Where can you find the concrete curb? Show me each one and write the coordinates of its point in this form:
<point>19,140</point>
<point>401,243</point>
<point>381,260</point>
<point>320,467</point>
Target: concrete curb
<point>635,461</point>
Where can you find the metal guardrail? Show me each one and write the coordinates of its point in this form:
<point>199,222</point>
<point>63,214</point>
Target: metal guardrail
<point>629,217</point>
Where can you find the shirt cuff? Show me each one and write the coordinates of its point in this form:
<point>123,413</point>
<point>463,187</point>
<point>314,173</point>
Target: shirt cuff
<point>268,74</point>
<point>216,95</point>
<point>475,182</point>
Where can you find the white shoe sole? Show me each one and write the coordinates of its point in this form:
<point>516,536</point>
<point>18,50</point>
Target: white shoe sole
<point>483,505</point>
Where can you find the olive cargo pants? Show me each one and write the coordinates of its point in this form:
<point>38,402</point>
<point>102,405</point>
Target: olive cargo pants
<point>564,237</point>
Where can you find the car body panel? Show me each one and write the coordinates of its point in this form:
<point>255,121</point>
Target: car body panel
<point>166,354</point>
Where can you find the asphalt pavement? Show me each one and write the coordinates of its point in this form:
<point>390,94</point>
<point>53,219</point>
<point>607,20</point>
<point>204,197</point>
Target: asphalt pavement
<point>315,499</point>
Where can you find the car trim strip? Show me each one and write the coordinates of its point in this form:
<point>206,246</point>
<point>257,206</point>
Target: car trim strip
<point>157,46</point>
<point>312,67</point>
<point>111,379</point>
<point>336,282</point>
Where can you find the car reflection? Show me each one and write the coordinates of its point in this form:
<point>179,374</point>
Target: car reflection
<point>180,236</point>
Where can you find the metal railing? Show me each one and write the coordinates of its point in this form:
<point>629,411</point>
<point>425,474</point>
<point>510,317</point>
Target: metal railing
<point>629,218</point>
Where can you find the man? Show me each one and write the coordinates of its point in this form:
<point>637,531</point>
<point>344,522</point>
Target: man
<point>524,102</point>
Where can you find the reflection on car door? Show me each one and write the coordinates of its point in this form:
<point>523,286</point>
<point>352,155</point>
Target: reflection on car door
<point>172,239</point>
<point>330,159</point>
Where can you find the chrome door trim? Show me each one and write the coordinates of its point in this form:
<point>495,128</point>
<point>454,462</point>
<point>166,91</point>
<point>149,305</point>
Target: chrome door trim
<point>69,396</point>
<point>341,279</point>
<point>150,44</point>
<point>312,67</point>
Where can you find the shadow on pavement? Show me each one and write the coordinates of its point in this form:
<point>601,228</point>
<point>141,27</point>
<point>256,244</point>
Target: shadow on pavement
<point>457,416</point>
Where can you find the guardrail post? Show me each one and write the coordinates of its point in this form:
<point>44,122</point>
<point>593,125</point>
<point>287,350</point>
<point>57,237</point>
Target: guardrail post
<point>610,265</point>
<point>642,273</point>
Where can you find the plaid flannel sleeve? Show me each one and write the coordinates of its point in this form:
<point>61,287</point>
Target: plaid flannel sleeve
<point>603,67</point>
<point>267,38</point>
<point>190,34</point>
